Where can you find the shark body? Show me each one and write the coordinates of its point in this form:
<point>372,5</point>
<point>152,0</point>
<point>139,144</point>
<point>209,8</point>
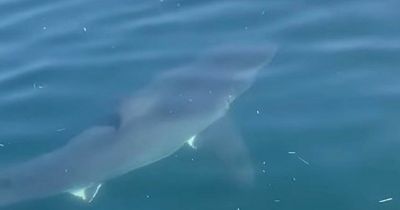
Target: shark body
<point>155,122</point>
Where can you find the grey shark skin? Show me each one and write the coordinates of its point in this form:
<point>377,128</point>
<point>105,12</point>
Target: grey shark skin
<point>155,122</point>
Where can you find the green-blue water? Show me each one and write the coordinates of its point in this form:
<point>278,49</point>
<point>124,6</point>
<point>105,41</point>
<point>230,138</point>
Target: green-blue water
<point>331,94</point>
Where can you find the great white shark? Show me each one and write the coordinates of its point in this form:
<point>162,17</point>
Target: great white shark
<point>174,109</point>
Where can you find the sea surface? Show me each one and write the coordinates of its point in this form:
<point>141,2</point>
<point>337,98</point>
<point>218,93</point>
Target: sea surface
<point>321,122</point>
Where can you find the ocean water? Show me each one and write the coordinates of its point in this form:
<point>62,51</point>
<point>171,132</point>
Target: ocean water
<point>320,123</point>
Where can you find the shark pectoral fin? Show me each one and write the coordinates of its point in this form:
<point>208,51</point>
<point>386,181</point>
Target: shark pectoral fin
<point>192,142</point>
<point>224,140</point>
<point>87,194</point>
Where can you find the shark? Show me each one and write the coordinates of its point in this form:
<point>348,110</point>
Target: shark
<point>175,109</point>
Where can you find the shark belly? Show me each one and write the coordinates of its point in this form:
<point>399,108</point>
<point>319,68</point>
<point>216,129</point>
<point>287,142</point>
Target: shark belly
<point>142,146</point>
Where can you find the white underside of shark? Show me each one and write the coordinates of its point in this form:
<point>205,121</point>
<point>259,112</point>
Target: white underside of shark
<point>88,194</point>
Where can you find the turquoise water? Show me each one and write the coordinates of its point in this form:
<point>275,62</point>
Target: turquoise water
<point>329,95</point>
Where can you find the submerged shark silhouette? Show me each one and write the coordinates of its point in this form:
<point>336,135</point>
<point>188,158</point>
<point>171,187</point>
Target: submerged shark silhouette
<point>154,123</point>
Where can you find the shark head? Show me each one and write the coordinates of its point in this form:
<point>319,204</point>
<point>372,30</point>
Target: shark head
<point>230,70</point>
<point>239,65</point>
<point>209,85</point>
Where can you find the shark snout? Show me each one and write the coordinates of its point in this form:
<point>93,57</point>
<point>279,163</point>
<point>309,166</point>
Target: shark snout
<point>241,61</point>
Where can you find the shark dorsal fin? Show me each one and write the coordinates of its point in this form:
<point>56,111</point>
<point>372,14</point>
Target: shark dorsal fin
<point>87,194</point>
